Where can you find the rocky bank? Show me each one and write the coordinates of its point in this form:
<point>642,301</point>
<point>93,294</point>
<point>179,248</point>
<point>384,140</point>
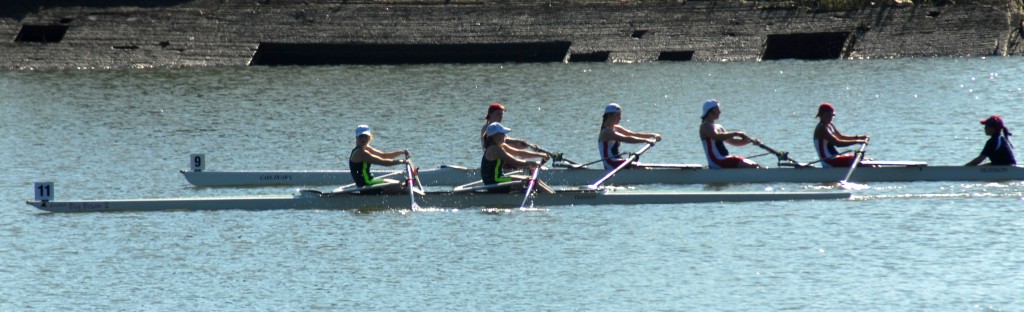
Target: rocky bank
<point>52,34</point>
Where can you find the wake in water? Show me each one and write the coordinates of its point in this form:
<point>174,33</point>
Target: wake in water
<point>949,195</point>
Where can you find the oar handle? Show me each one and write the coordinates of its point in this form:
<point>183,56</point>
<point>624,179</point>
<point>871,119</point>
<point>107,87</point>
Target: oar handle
<point>767,148</point>
<point>554,156</point>
<point>781,155</point>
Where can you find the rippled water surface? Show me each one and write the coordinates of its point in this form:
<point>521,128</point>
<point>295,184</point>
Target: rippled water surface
<point>937,246</point>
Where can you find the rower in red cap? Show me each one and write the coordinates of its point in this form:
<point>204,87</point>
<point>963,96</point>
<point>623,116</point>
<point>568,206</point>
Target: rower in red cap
<point>998,149</point>
<point>495,113</point>
<point>827,137</point>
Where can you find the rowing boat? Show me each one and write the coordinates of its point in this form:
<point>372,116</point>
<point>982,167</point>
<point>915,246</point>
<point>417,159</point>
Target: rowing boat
<point>309,199</point>
<point>674,174</point>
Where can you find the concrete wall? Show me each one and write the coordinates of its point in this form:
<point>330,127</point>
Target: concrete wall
<point>143,34</point>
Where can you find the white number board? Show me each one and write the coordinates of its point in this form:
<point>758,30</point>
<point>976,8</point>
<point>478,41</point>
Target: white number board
<point>198,162</point>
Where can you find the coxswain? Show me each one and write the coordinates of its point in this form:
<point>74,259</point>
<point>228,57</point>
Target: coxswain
<point>998,149</point>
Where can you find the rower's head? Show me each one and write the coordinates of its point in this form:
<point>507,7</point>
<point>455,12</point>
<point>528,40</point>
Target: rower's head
<point>495,112</point>
<point>994,124</point>
<point>496,132</point>
<point>612,111</point>
<point>711,109</point>
<point>363,134</point>
<point>826,112</point>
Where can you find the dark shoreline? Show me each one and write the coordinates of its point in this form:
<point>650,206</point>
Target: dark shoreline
<point>167,34</point>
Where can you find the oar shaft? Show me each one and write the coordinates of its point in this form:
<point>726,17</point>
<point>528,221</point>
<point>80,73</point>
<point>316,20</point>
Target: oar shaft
<point>621,166</point>
<point>530,186</point>
<point>600,160</point>
<point>780,155</point>
<point>856,161</point>
<point>408,184</point>
<point>554,156</point>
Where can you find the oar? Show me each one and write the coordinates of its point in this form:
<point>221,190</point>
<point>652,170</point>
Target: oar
<point>554,156</point>
<point>530,185</point>
<point>856,160</point>
<point>781,155</point>
<point>819,160</point>
<point>756,156</point>
<point>581,166</point>
<point>416,174</point>
<point>623,165</point>
<point>408,183</point>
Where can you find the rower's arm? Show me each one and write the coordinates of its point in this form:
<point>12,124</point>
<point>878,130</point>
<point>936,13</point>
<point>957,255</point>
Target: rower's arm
<point>623,135</point>
<point>856,138</point>
<point>976,161</point>
<point>737,138</point>
<point>517,143</point>
<point>837,138</point>
<point>377,157</point>
<point>642,135</point>
<point>523,153</point>
<point>394,154</point>
<point>513,160</point>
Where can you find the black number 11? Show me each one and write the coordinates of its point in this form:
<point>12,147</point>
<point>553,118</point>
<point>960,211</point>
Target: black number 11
<point>44,190</point>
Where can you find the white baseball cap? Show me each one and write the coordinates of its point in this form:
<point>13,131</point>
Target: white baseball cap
<point>495,128</point>
<point>708,105</point>
<point>362,130</point>
<point>612,108</point>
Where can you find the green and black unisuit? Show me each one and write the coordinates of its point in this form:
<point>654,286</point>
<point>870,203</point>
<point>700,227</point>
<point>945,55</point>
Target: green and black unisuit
<point>361,172</point>
<point>491,173</point>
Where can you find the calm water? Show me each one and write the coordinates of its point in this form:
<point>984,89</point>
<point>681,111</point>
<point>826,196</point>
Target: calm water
<point>945,246</point>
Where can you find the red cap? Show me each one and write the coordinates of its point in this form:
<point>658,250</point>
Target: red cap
<point>825,108</point>
<point>993,121</point>
<point>494,107</point>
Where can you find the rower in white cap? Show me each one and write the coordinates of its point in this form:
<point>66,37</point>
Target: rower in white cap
<point>612,134</point>
<point>497,153</point>
<point>363,155</point>
<point>713,137</point>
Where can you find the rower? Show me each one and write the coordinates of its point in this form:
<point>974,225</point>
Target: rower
<point>364,155</point>
<point>713,138</point>
<point>827,138</point>
<point>998,149</point>
<point>495,113</point>
<point>497,153</point>
<point>612,135</point>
